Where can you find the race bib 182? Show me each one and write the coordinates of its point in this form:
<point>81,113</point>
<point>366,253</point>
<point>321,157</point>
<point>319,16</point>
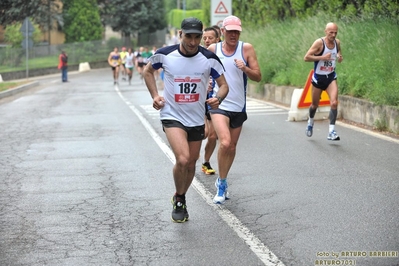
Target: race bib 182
<point>187,89</point>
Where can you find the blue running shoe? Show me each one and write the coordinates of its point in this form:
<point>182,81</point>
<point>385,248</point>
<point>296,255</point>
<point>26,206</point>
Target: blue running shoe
<point>221,191</point>
<point>333,135</point>
<point>227,194</point>
<point>309,130</point>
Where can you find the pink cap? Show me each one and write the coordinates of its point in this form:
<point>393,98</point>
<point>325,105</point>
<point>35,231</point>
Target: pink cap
<point>232,23</point>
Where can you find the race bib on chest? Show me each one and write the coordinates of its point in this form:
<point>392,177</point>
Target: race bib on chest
<point>187,89</point>
<point>328,66</point>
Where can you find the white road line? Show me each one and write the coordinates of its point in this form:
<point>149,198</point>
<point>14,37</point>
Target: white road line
<point>256,108</point>
<point>264,111</point>
<point>267,114</point>
<point>253,242</point>
<point>252,104</point>
<point>253,108</point>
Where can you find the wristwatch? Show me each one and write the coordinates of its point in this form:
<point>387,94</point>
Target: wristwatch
<point>220,99</point>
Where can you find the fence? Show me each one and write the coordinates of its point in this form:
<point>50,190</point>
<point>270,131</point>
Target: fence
<point>12,59</point>
<point>42,56</point>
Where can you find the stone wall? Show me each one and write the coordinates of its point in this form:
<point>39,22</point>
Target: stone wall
<point>367,113</point>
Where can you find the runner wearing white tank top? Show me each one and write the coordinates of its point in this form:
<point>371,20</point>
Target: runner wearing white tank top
<point>236,99</point>
<point>129,64</point>
<point>240,61</point>
<point>325,53</point>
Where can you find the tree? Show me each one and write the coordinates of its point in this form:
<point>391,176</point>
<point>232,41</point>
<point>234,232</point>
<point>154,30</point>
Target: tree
<point>189,4</point>
<point>169,5</point>
<point>40,11</point>
<point>206,7</point>
<point>133,16</point>
<point>14,36</point>
<point>262,12</point>
<point>82,21</point>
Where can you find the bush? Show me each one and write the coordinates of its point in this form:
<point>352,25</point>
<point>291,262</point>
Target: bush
<point>14,36</point>
<point>177,15</point>
<point>369,48</point>
<point>82,21</point>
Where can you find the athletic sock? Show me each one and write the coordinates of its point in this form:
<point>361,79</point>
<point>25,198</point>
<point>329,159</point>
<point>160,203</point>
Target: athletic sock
<point>182,197</point>
<point>223,181</point>
<point>312,112</point>
<point>333,116</point>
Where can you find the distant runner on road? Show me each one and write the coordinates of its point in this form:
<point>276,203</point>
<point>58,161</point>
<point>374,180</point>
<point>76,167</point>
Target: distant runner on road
<point>114,60</point>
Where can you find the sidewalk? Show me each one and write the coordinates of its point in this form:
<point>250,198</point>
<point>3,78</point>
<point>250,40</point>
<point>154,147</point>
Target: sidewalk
<point>34,82</point>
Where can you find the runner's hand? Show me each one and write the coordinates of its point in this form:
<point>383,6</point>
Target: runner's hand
<point>213,102</point>
<point>158,102</point>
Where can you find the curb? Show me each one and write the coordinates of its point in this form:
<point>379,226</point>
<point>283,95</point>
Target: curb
<point>18,89</point>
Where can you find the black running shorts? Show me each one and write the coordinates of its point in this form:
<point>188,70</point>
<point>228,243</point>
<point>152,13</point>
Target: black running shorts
<point>237,119</point>
<point>193,133</point>
<point>323,81</point>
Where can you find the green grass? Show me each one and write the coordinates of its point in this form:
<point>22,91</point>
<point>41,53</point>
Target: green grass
<point>42,62</point>
<point>9,85</point>
<point>370,51</point>
<point>14,59</point>
<point>48,61</point>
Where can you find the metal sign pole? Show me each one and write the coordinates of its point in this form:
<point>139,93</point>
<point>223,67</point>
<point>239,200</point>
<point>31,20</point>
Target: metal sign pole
<point>27,50</point>
<point>27,30</point>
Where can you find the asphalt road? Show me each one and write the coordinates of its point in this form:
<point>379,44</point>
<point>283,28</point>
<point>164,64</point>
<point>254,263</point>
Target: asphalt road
<point>86,179</point>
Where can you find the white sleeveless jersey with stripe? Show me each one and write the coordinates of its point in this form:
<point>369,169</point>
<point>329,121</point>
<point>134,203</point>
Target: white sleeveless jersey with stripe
<point>236,79</point>
<point>325,67</point>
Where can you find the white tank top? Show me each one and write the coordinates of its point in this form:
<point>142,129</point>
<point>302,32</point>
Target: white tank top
<point>129,60</point>
<point>236,79</point>
<point>325,67</point>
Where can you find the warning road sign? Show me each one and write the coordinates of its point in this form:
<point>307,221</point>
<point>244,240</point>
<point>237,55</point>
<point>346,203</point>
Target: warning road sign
<point>27,27</point>
<point>219,10</point>
<point>306,98</point>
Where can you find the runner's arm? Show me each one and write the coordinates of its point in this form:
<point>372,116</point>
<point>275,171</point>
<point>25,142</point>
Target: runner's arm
<point>109,59</point>
<point>316,48</point>
<point>212,47</point>
<point>252,70</point>
<point>149,78</point>
<point>214,102</point>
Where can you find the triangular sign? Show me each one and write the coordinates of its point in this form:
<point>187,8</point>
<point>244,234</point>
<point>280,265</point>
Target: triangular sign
<point>27,26</point>
<point>306,97</point>
<point>221,9</point>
